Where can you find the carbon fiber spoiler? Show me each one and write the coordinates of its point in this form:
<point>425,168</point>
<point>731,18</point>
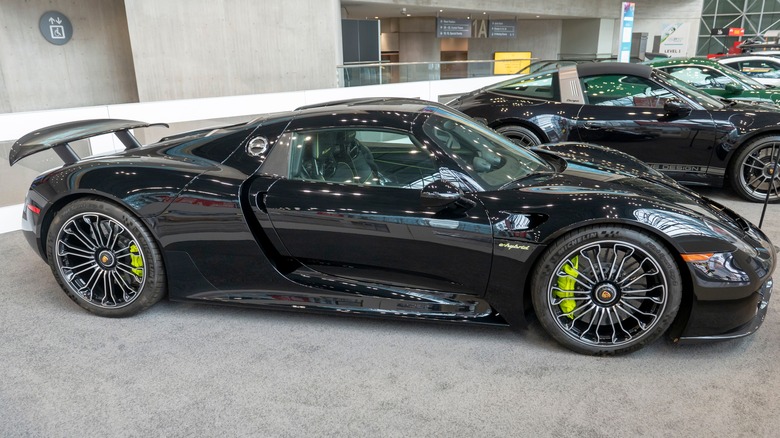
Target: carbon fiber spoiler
<point>58,137</point>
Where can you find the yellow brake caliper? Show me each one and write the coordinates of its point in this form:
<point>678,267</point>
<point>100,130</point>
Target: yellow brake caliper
<point>566,283</point>
<point>136,261</point>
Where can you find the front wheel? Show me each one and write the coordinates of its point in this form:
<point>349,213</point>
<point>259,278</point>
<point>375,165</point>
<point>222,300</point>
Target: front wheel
<point>104,258</point>
<point>606,290</point>
<point>520,135</point>
<point>754,170</point>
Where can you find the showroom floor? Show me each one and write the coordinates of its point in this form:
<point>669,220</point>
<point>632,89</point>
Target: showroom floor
<point>183,369</point>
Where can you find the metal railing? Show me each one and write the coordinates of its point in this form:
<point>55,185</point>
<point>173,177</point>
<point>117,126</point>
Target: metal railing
<point>376,73</point>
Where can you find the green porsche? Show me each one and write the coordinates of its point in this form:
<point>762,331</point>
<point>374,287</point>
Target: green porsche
<point>717,79</point>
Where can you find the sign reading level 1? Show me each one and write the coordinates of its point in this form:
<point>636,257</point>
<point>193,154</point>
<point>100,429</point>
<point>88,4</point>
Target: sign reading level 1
<point>453,28</point>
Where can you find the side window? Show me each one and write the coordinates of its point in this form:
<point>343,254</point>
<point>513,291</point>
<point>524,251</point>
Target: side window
<point>700,77</point>
<point>624,90</point>
<point>540,86</point>
<point>760,69</point>
<point>365,157</point>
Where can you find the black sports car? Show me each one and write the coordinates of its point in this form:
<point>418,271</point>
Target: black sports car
<point>398,208</point>
<point>691,136</point>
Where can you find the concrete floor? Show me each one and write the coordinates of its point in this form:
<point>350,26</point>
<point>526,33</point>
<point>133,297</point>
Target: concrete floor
<point>182,369</point>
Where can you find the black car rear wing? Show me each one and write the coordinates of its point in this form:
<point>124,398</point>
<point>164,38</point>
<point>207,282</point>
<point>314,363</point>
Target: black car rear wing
<point>58,137</point>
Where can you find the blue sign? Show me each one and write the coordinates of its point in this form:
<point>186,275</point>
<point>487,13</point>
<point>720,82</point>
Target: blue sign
<point>626,29</point>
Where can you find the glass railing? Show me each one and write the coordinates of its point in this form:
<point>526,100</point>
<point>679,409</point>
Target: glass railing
<point>359,74</point>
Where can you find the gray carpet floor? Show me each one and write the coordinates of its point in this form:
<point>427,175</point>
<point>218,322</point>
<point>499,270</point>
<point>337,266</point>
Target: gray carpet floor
<point>196,370</point>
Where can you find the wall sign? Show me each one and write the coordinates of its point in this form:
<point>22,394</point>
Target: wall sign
<point>674,39</point>
<point>518,61</point>
<point>736,31</point>
<point>55,27</point>
<point>503,29</point>
<point>453,28</point>
<point>718,31</point>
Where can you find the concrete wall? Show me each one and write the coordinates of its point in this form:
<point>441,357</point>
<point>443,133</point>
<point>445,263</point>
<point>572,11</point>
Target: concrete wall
<point>204,48</point>
<point>540,37</point>
<point>580,37</point>
<point>94,67</point>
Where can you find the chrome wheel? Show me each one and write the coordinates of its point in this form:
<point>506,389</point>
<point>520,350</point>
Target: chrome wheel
<point>100,260</point>
<point>607,294</point>
<point>759,171</point>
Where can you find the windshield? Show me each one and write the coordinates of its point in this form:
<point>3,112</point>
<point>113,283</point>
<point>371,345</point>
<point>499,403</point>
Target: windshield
<point>688,91</point>
<point>488,158</point>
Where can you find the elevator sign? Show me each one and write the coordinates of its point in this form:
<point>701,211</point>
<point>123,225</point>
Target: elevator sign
<point>55,27</point>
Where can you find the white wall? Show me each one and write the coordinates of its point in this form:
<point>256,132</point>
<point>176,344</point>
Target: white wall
<point>652,15</point>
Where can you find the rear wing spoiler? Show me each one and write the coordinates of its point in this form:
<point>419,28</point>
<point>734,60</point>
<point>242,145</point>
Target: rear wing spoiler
<point>58,137</point>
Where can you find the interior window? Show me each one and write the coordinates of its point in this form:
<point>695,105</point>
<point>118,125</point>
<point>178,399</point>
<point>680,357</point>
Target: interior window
<point>700,77</point>
<point>624,90</point>
<point>366,157</point>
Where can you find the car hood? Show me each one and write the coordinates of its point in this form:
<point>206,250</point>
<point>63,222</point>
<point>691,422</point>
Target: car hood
<point>629,190</point>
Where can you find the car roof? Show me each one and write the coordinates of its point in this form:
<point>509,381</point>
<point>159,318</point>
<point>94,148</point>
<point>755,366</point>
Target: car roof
<point>396,104</point>
<point>614,68</point>
<point>678,61</point>
<point>773,56</point>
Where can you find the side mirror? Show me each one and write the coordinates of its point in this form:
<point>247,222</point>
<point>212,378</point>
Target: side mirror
<point>675,108</point>
<point>734,88</point>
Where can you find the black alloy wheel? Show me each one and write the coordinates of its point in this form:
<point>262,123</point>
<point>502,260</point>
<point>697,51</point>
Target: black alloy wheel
<point>519,135</point>
<point>606,290</point>
<point>754,171</point>
<point>104,258</point>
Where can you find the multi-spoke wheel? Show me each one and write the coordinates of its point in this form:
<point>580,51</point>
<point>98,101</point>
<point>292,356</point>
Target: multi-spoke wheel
<point>613,291</point>
<point>104,258</point>
<point>519,135</point>
<point>754,170</point>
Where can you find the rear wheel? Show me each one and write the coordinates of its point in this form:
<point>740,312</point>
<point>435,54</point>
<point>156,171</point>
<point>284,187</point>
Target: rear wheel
<point>606,290</point>
<point>104,258</point>
<point>520,135</point>
<point>754,170</point>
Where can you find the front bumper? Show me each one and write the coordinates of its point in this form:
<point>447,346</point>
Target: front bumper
<point>762,297</point>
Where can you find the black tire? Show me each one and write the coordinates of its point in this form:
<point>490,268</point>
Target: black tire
<point>519,135</point>
<point>104,258</point>
<point>618,305</point>
<point>754,169</point>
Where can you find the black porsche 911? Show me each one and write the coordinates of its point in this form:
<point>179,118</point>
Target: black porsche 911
<point>691,136</point>
<point>395,207</point>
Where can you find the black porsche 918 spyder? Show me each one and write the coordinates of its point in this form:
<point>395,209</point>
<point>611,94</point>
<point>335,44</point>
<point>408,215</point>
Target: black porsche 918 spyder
<point>693,137</point>
<point>395,207</point>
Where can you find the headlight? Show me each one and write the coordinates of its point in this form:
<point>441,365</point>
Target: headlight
<point>717,266</point>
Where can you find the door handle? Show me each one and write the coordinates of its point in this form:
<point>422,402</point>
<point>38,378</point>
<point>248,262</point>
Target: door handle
<point>593,125</point>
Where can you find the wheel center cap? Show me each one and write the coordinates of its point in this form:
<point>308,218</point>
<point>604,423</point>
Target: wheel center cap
<point>106,259</point>
<point>769,170</point>
<point>605,293</point>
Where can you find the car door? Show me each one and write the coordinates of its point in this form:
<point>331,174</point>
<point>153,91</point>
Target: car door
<point>627,113</point>
<point>349,205</point>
